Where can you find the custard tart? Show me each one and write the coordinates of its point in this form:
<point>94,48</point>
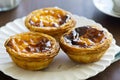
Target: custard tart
<point>32,50</point>
<point>86,44</point>
<point>53,21</point>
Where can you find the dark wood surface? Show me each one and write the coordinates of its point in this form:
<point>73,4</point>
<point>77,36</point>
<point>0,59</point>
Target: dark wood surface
<point>84,8</point>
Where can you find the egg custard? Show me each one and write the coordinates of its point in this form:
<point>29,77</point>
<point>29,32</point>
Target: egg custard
<point>53,21</point>
<point>86,44</point>
<point>32,50</point>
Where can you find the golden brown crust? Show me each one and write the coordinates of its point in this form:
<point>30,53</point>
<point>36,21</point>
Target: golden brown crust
<point>34,60</point>
<point>51,30</point>
<point>86,54</point>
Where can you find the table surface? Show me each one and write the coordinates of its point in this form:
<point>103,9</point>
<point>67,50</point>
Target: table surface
<point>84,8</point>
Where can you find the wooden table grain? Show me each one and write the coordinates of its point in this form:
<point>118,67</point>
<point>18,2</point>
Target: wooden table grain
<point>84,8</point>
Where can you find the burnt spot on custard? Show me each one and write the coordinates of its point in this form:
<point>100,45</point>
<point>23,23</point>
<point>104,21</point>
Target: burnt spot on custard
<point>49,18</point>
<point>85,36</point>
<point>30,45</point>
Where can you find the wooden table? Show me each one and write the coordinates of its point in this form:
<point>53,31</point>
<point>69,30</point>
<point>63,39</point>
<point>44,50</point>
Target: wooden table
<point>80,7</point>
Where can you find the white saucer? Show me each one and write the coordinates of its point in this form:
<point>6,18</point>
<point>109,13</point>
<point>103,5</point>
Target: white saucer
<point>62,68</point>
<point>106,7</point>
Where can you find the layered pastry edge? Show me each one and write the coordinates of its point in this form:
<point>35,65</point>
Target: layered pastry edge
<point>66,25</point>
<point>87,54</point>
<point>36,60</point>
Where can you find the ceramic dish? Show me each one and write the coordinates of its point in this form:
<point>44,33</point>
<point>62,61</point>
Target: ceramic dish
<point>106,6</point>
<point>57,70</point>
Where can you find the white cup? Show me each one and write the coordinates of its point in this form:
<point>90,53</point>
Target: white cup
<point>116,6</point>
<point>8,4</point>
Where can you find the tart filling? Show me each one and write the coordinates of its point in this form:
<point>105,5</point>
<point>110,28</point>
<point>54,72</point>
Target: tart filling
<point>53,21</point>
<point>30,45</point>
<point>32,50</point>
<point>49,18</point>
<point>86,44</point>
<point>85,37</point>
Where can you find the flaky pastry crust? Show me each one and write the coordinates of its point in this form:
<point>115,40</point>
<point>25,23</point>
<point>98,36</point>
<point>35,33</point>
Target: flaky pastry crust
<point>32,50</point>
<point>53,21</point>
<point>87,50</point>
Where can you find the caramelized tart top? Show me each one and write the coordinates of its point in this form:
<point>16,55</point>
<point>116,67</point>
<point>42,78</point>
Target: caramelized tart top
<point>85,37</point>
<point>30,43</point>
<point>49,17</point>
